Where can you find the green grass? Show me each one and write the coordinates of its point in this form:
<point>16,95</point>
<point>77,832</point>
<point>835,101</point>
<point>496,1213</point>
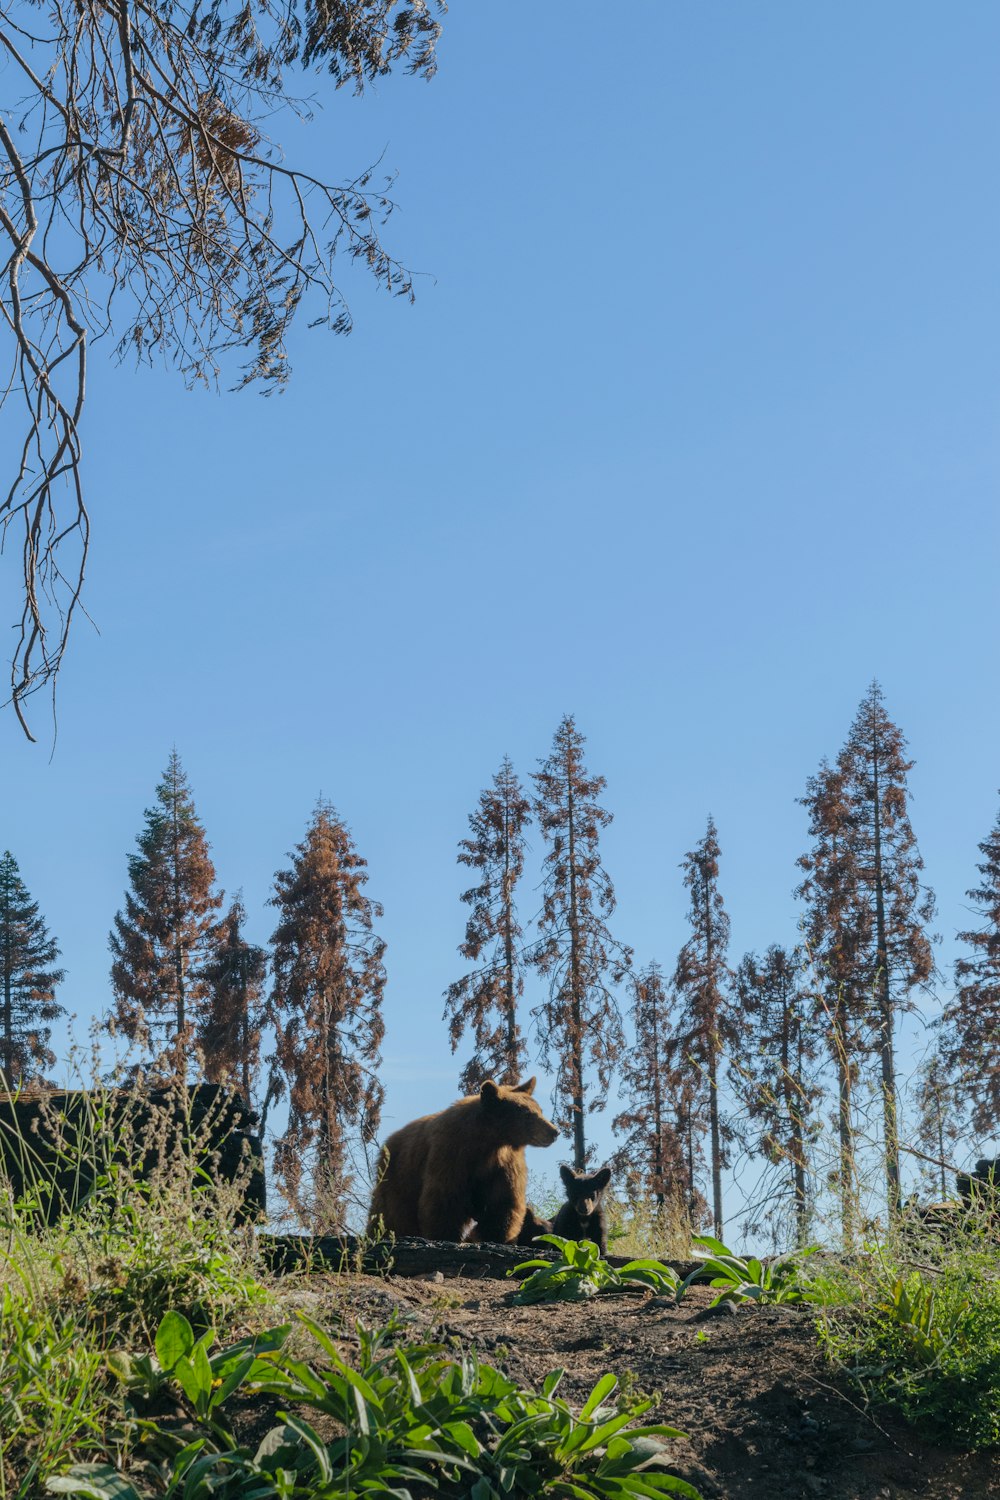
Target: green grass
<point>922,1337</point>
<point>132,1331</point>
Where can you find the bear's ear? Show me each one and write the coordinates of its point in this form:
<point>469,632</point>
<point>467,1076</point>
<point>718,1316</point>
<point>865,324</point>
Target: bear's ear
<point>525,1088</point>
<point>489,1092</point>
<point>600,1179</point>
<point>568,1176</point>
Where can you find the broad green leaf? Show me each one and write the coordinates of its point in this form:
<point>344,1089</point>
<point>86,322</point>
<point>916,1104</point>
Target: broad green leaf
<point>603,1388</point>
<point>174,1339</point>
<point>464,1436</point>
<point>313,1442</point>
<point>98,1481</point>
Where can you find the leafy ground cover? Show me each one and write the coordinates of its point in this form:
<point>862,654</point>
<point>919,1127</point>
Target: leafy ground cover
<point>145,1351</point>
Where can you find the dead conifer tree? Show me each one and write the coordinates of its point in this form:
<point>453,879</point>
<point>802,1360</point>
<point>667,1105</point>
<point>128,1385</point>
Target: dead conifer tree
<point>652,1156</point>
<point>702,979</point>
<point>838,932</point>
<point>163,937</point>
<point>940,1123</point>
<point>579,1024</point>
<point>235,975</point>
<point>143,201</point>
<point>485,1001</point>
<point>774,1070</point>
<point>970,1025</point>
<point>326,1009</point>
<point>888,869</point>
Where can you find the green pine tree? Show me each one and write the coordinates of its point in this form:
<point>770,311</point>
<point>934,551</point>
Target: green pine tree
<point>28,1002</point>
<point>166,934</point>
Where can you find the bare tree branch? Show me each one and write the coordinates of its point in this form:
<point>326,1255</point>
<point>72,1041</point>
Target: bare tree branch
<point>139,196</point>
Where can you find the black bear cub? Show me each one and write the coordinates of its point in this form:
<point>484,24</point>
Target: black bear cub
<point>582,1215</point>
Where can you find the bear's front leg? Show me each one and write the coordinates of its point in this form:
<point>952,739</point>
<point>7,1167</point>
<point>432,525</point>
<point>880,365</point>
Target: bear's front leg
<point>441,1218</point>
<point>500,1223</point>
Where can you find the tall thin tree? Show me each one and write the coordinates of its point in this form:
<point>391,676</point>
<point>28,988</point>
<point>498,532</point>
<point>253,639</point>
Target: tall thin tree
<point>579,1023</point>
<point>707,1025</point>
<point>486,1000</point>
<point>29,980</point>
<point>837,928</point>
<point>889,867</point>
<point>236,975</point>
<point>970,1024</point>
<point>652,1154</point>
<point>940,1122</point>
<point>326,1008</point>
<point>775,1070</point>
<point>164,936</point>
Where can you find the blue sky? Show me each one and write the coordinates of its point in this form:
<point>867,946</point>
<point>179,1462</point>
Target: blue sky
<point>692,430</point>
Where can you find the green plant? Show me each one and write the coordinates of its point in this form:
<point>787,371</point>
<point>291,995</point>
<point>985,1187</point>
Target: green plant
<point>406,1414</point>
<point>55,1400</point>
<point>926,1342</point>
<point>580,1273</point>
<point>778,1280</point>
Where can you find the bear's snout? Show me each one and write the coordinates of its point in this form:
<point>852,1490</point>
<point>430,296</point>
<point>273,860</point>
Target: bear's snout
<point>544,1133</point>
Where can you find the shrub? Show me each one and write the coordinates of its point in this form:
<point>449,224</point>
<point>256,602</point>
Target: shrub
<point>407,1414</point>
<point>778,1279</point>
<point>926,1342</point>
<point>580,1273</point>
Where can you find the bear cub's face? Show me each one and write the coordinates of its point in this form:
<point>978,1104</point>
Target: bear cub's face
<point>584,1192</point>
<point>516,1116</point>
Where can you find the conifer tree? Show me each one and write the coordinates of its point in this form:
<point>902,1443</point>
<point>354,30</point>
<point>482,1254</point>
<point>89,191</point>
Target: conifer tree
<point>940,1123</point>
<point>838,931</point>
<point>326,1008</point>
<point>888,867</point>
<point>579,1023</point>
<point>775,1071</point>
<point>486,1000</point>
<point>971,1023</point>
<point>164,936</point>
<point>235,975</point>
<point>707,1024</point>
<point>653,1156</point>
<point>27,1000</point>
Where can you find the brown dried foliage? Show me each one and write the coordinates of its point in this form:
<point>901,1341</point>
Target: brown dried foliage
<point>485,1001</point>
<point>141,199</point>
<point>660,1155</point>
<point>326,1008</point>
<point>236,975</point>
<point>838,930</point>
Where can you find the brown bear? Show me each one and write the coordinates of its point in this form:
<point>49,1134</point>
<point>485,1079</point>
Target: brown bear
<point>582,1215</point>
<point>465,1165</point>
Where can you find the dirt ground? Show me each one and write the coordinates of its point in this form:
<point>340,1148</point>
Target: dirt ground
<point>764,1415</point>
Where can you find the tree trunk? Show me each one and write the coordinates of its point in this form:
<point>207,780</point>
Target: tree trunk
<point>178,946</point>
<point>795,1104</point>
<point>848,1216</point>
<point>508,946</point>
<point>888,1060</point>
<point>657,1114</point>
<point>713,1052</point>
<point>576,998</point>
